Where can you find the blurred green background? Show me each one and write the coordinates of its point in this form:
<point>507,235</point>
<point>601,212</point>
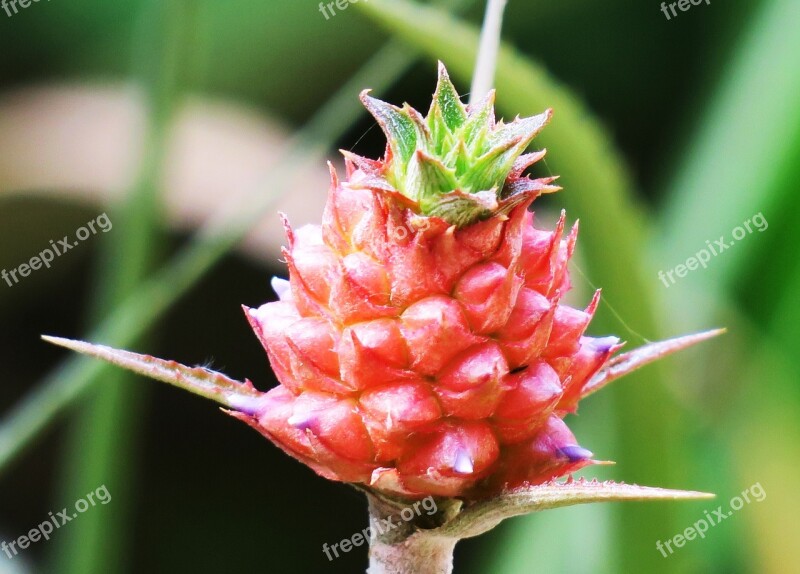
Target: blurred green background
<point>165,114</point>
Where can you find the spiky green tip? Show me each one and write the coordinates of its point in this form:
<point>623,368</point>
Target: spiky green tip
<point>457,163</point>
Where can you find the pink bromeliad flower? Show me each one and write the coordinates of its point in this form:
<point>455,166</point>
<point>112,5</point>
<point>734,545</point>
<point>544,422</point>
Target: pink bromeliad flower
<point>421,342</point>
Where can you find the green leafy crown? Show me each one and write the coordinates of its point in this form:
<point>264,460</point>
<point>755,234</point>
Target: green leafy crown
<point>458,163</point>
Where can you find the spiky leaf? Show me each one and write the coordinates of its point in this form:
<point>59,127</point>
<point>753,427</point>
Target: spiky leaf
<point>483,516</point>
<point>446,104</point>
<point>198,380</point>
<point>626,363</point>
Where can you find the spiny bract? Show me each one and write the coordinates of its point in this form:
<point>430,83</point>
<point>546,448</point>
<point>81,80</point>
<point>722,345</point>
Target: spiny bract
<point>420,341</point>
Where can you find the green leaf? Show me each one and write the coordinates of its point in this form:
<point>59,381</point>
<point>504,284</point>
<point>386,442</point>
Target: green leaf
<point>401,130</point>
<point>469,153</point>
<point>447,103</point>
<point>491,169</point>
<point>505,145</point>
<point>478,124</point>
<point>428,178</point>
<point>521,130</point>
<point>732,166</point>
<point>100,445</point>
<point>459,158</point>
<point>462,208</point>
<point>742,159</point>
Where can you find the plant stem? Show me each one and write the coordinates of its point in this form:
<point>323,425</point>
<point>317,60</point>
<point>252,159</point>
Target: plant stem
<point>416,555</point>
<point>404,549</point>
<point>486,62</point>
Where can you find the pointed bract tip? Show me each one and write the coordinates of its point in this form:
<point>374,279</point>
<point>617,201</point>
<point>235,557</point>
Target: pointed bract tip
<point>604,344</point>
<point>710,334</point>
<point>463,463</point>
<point>281,287</point>
<point>487,101</point>
<point>287,227</point>
<point>625,363</point>
<point>575,453</point>
<point>301,422</point>
<point>60,341</point>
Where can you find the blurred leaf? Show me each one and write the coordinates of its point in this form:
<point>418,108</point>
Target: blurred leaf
<point>731,165</point>
<point>103,439</point>
<point>743,161</point>
<point>766,440</point>
<point>576,539</point>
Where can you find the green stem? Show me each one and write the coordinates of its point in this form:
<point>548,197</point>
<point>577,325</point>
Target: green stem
<point>486,61</point>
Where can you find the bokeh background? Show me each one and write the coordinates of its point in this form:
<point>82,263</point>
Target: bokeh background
<point>172,115</point>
